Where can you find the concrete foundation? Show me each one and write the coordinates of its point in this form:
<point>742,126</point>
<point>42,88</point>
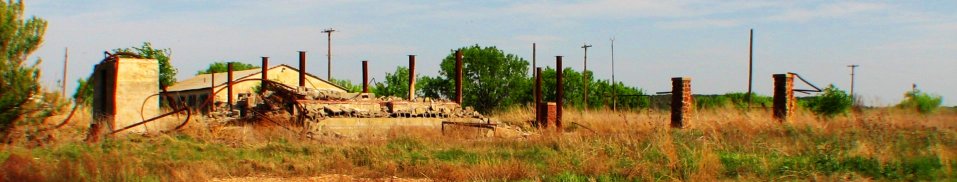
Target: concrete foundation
<point>352,127</point>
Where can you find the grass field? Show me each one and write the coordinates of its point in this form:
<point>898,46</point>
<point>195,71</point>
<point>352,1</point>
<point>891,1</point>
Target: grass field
<point>719,144</point>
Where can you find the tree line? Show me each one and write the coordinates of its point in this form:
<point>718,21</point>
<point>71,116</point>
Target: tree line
<point>494,80</point>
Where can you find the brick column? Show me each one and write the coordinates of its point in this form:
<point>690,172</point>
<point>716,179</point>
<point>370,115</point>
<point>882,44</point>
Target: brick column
<point>550,114</point>
<point>784,102</point>
<point>681,103</point>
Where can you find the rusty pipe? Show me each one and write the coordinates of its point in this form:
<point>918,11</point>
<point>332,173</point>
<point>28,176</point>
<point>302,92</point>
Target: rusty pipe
<point>411,77</point>
<point>229,85</point>
<point>458,77</point>
<point>265,68</point>
<point>538,97</point>
<point>302,69</point>
<point>365,76</point>
<point>561,92</point>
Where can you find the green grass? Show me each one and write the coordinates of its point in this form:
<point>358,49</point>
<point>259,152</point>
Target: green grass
<point>788,152</point>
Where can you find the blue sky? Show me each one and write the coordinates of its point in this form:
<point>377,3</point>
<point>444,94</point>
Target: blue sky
<point>896,43</point>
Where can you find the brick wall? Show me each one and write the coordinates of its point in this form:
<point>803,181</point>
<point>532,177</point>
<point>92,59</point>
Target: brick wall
<point>681,101</point>
<point>784,102</point>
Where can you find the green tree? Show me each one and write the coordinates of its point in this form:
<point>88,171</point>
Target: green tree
<point>922,102</point>
<point>167,74</point>
<point>222,66</point>
<point>491,78</point>
<point>397,84</point>
<point>21,98</point>
<point>832,102</point>
<point>348,85</point>
<point>601,92</point>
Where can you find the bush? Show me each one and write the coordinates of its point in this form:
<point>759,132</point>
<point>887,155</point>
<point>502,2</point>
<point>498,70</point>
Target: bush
<point>832,102</point>
<point>922,102</point>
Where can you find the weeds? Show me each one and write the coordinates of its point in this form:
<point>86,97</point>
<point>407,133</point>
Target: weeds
<point>720,144</point>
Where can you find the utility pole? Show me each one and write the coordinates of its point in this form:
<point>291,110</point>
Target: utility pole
<point>585,76</point>
<point>329,52</point>
<point>750,67</point>
<point>614,88</point>
<point>66,58</point>
<point>853,66</point>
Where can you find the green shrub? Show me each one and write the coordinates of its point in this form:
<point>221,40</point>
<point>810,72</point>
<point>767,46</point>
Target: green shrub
<point>923,102</point>
<point>832,102</point>
<point>711,101</point>
<point>738,100</point>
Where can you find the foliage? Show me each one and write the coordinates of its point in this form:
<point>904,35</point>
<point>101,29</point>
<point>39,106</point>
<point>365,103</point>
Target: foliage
<point>738,146</point>
<point>923,102</point>
<point>222,66</point>
<point>84,92</point>
<point>396,84</point>
<point>167,74</point>
<point>21,97</point>
<point>491,78</point>
<point>601,92</point>
<point>348,85</point>
<point>737,99</point>
<point>832,102</point>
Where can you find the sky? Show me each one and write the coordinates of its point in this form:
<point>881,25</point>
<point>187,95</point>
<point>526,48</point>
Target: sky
<point>896,43</point>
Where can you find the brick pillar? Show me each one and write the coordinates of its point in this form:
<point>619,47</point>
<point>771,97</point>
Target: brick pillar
<point>681,103</point>
<point>784,102</point>
<point>550,114</point>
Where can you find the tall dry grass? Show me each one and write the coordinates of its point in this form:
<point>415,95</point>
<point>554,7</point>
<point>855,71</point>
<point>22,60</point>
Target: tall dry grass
<point>600,145</point>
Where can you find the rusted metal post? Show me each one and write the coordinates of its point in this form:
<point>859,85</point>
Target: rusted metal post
<point>458,77</point>
<point>561,92</point>
<point>750,68</point>
<point>534,65</point>
<point>680,101</point>
<point>265,73</point>
<point>784,103</point>
<point>229,85</point>
<point>411,77</point>
<point>365,76</point>
<point>212,91</point>
<point>302,69</point>
<point>539,110</point>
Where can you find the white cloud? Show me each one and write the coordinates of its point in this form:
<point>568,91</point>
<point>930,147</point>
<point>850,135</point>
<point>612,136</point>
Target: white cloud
<point>603,8</point>
<point>834,10</point>
<point>700,23</point>
<point>538,38</point>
